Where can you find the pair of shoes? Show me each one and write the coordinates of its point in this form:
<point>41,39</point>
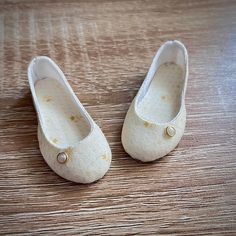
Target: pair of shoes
<point>74,146</point>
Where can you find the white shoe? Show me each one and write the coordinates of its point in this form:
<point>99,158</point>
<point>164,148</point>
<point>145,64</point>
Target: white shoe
<point>155,121</point>
<point>70,141</point>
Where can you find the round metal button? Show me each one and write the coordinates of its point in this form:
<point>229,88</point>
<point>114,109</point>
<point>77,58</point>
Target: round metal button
<point>170,131</point>
<point>62,157</point>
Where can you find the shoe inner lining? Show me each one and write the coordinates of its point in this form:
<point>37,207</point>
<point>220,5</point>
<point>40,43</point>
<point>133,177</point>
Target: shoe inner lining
<point>162,101</point>
<point>63,123</point>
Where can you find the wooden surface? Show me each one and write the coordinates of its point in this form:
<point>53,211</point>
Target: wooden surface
<point>105,49</point>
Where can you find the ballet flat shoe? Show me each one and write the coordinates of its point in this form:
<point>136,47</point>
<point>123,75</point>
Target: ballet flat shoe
<point>71,143</point>
<point>155,121</point>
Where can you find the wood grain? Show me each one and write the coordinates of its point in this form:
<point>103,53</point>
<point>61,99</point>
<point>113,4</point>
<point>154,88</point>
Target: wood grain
<point>105,49</point>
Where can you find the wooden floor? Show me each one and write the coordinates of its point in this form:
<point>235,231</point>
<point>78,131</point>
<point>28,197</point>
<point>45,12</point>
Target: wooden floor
<point>105,49</point>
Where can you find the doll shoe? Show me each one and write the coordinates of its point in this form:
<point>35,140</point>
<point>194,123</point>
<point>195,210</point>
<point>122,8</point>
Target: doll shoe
<point>155,121</point>
<point>69,140</point>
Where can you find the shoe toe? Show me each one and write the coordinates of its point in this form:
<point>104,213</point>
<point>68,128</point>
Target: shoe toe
<point>147,141</point>
<point>85,162</point>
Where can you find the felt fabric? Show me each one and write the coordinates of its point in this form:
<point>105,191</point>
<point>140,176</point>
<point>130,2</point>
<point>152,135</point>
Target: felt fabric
<point>65,126</point>
<point>159,104</point>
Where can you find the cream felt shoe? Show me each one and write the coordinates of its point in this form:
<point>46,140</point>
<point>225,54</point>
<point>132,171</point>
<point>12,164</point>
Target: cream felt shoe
<point>155,121</point>
<point>69,140</point>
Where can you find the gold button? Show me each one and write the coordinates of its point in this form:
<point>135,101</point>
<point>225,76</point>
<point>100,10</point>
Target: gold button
<point>62,157</point>
<point>170,131</point>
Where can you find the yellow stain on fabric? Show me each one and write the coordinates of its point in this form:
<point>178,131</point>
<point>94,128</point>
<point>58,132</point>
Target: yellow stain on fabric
<point>72,118</point>
<point>105,157</point>
<point>69,151</point>
<point>55,140</point>
<point>147,124</point>
<point>47,98</point>
<point>75,118</point>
